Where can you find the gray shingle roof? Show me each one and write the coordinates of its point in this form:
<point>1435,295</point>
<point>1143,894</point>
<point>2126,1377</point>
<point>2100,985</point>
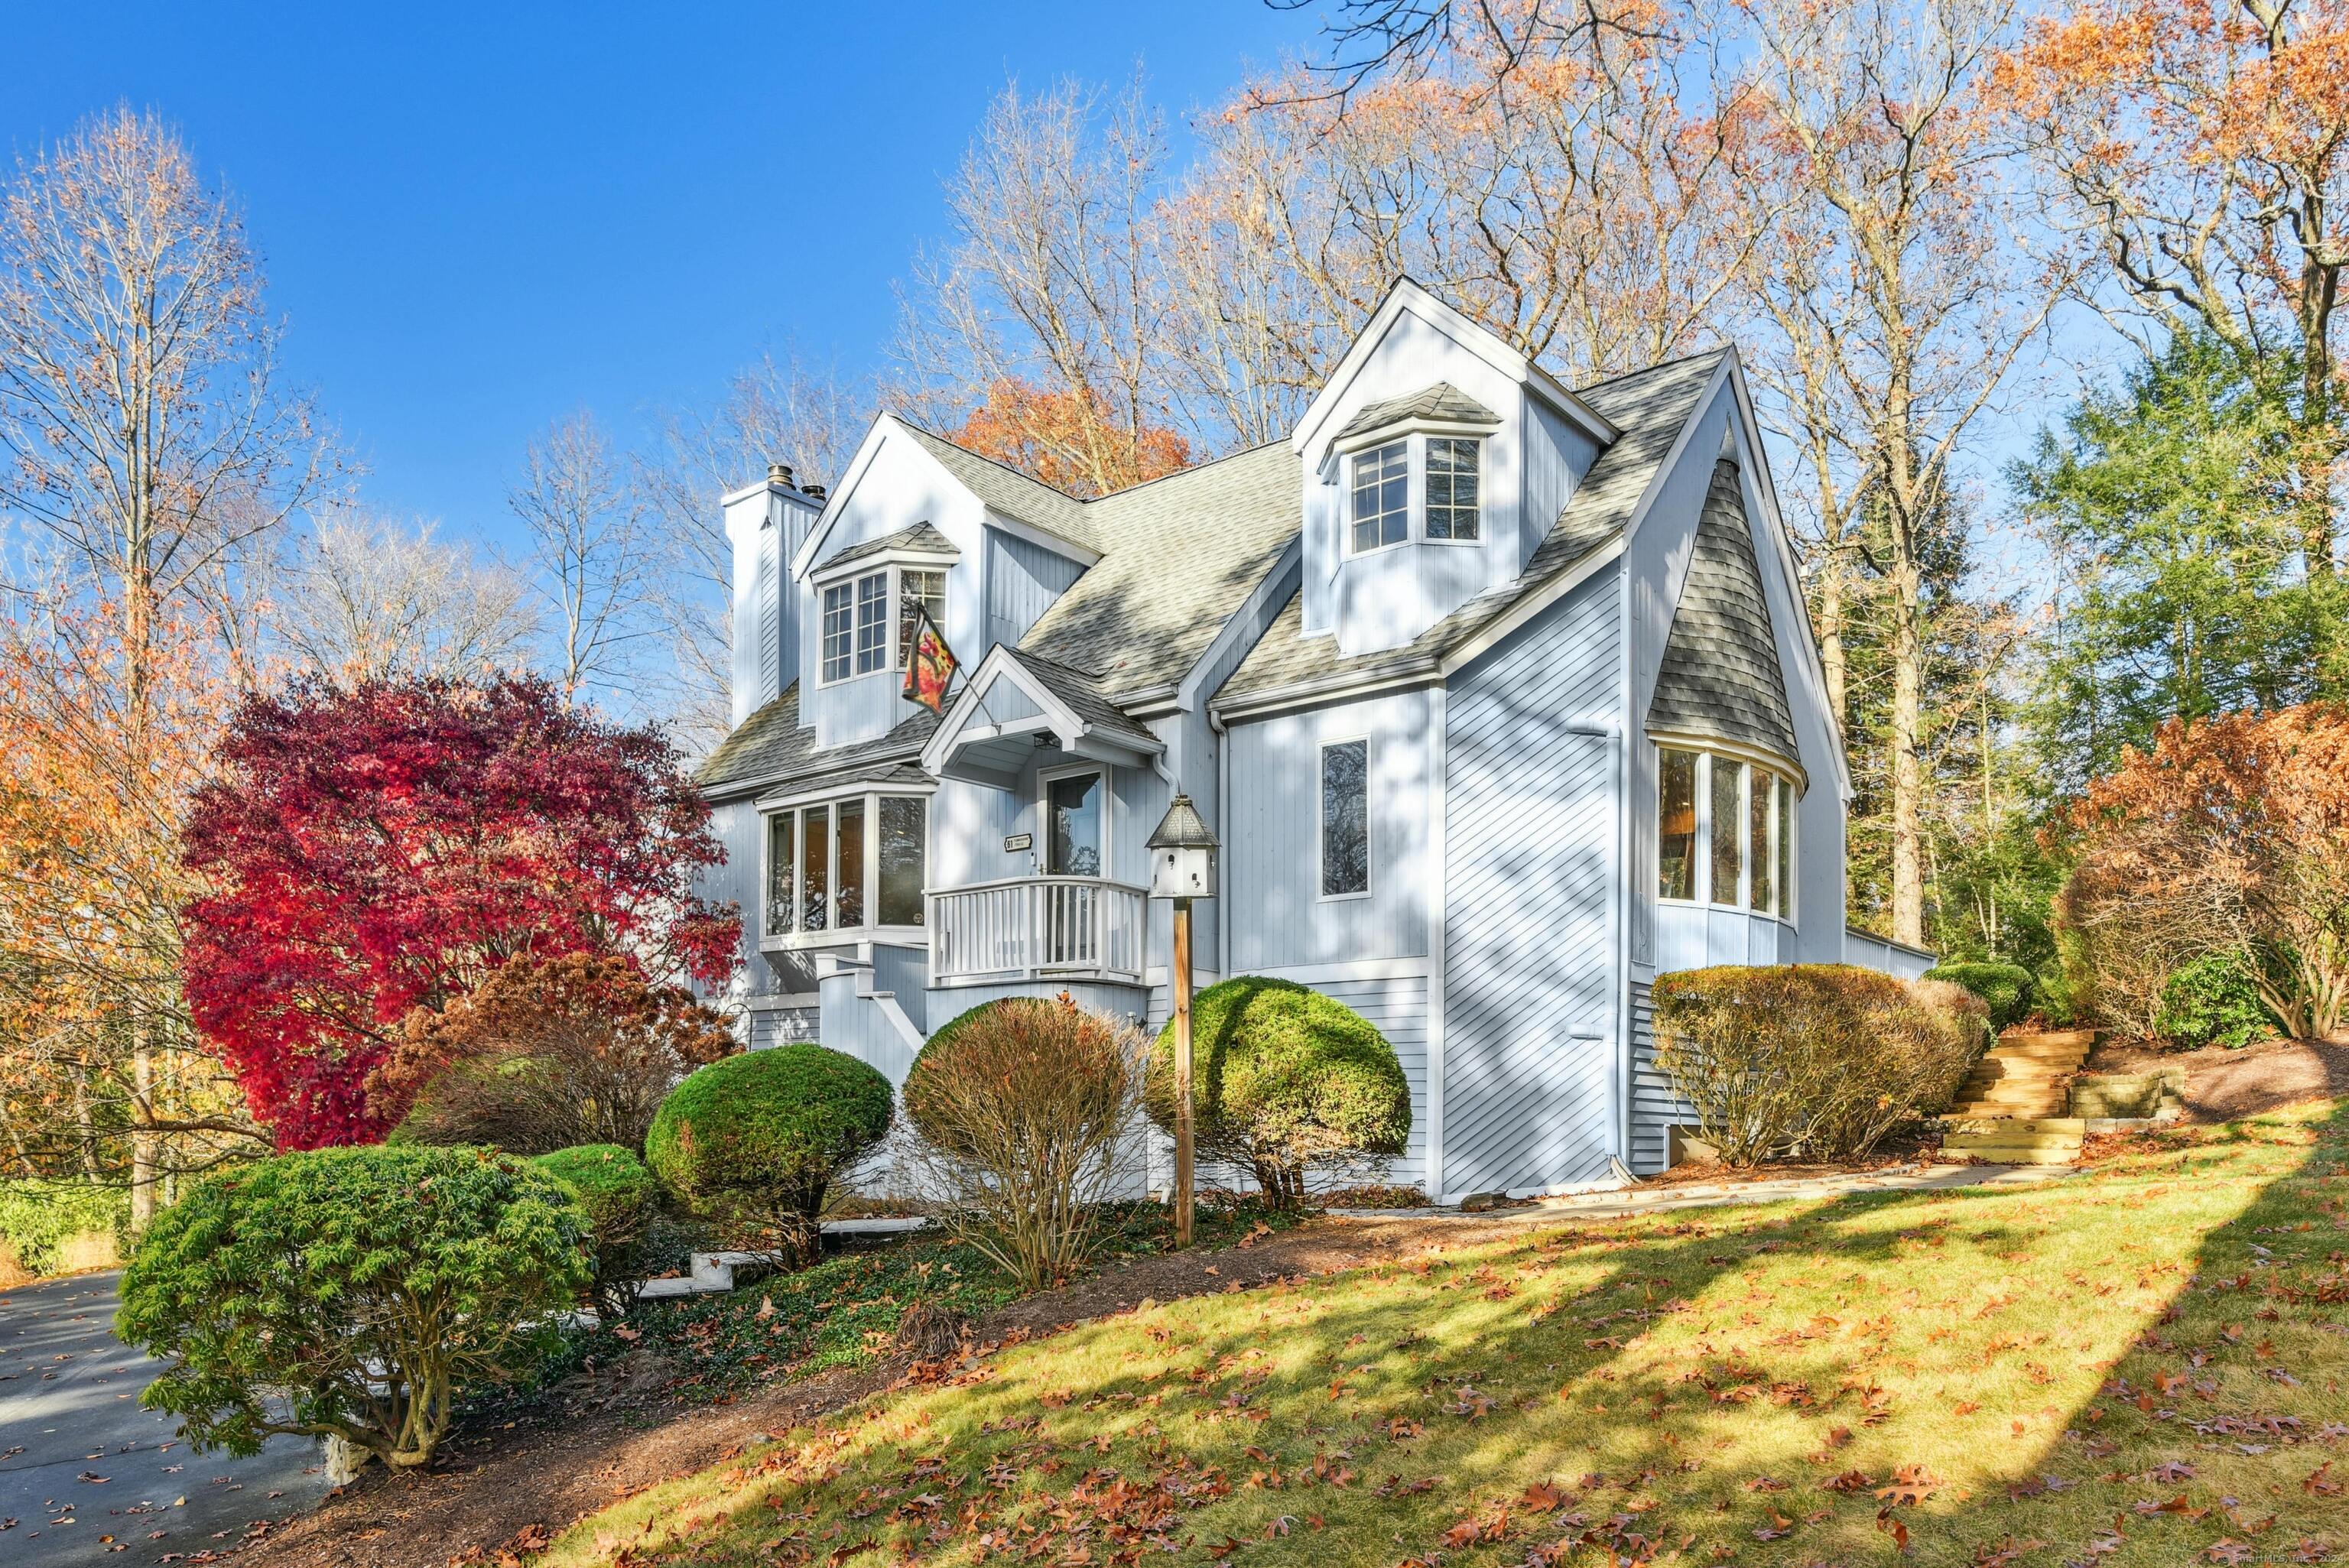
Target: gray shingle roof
<point>1081,691</point>
<point>1649,407</point>
<point>1720,677</point>
<point>1442,402</point>
<point>1009,492</point>
<point>921,537</point>
<point>1180,556</point>
<point>770,748</point>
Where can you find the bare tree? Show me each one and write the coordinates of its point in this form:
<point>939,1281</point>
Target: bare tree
<point>148,437</point>
<point>1901,303</point>
<point>591,544</point>
<point>1051,288</point>
<point>369,598</point>
<point>782,409</point>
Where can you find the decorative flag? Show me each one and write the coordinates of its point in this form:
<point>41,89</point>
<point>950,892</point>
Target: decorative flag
<point>931,670</point>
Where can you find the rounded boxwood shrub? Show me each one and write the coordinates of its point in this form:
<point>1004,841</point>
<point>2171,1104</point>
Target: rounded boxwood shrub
<point>2213,1001</point>
<point>1024,1105</point>
<point>1283,1078</point>
<point>765,1134</point>
<point>2006,989</point>
<point>350,1292</point>
<point>622,1203</point>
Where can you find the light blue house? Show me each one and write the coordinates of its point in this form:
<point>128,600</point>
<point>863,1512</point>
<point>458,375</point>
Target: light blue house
<point>1499,694</point>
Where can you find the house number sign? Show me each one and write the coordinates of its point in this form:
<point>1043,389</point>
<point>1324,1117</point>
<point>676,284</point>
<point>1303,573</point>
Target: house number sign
<point>1016,842</point>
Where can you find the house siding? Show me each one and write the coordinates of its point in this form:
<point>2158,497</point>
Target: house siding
<point>1271,862</point>
<point>784,1026</point>
<point>1655,1109</point>
<point>1529,1029</point>
<point>1023,578</point>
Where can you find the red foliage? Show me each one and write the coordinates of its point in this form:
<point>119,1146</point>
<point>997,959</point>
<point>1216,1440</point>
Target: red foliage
<point>374,851</point>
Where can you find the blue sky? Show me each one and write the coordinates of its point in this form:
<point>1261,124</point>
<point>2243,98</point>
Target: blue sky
<point>477,219</point>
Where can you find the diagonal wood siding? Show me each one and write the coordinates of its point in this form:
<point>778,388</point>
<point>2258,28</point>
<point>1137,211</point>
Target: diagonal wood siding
<point>1529,1061</point>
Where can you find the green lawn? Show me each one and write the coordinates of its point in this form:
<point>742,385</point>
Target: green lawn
<point>2140,1365</point>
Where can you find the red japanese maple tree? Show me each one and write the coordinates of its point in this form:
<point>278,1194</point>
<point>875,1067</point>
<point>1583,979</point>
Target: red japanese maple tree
<point>376,850</point>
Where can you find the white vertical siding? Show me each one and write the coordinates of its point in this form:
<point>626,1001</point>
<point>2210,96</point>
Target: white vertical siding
<point>1271,862</point>
<point>1530,1097</point>
<point>1022,579</point>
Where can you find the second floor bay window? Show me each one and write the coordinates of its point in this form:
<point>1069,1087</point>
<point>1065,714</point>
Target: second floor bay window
<point>1415,488</point>
<point>845,866</point>
<point>1725,833</point>
<point>862,633</point>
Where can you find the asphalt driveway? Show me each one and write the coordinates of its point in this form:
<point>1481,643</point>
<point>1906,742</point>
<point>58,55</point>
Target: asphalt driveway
<point>85,1474</point>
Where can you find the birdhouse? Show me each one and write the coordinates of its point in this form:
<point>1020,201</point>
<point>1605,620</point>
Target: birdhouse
<point>1181,854</point>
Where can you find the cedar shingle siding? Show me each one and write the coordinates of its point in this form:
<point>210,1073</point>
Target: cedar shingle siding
<point>1720,677</point>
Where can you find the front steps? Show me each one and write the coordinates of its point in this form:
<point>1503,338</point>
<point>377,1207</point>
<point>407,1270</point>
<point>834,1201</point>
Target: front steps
<point>2017,1140</point>
<point>2024,1077</point>
<point>2013,1109</point>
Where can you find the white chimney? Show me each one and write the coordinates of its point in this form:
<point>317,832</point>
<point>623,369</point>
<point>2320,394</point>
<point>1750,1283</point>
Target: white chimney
<point>766,523</point>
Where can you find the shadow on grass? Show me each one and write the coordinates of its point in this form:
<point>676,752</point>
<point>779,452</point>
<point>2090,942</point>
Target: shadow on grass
<point>1958,1369</point>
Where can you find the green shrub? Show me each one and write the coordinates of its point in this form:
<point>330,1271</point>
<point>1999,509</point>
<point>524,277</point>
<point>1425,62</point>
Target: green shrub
<point>350,1292</point>
<point>2213,1001</point>
<point>1811,1060</point>
<point>766,1133</point>
<point>1283,1078</point>
<point>39,1221</point>
<point>622,1203</point>
<point>1025,1105</point>
<point>2006,989</point>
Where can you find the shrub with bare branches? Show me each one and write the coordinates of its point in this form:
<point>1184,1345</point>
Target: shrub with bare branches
<point>546,1056</point>
<point>1028,1109</point>
<point>1812,1060</point>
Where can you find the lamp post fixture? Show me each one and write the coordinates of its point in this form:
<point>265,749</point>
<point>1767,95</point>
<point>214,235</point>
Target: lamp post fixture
<point>1182,867</point>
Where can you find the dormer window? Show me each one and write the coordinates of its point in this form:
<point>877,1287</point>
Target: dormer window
<point>868,616</point>
<point>1416,488</point>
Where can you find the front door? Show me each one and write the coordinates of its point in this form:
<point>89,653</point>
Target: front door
<point>1072,818</point>
<point>1073,848</point>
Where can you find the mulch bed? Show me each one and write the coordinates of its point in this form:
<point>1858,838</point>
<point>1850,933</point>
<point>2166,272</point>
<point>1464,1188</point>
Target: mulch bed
<point>2222,1085</point>
<point>509,1489</point>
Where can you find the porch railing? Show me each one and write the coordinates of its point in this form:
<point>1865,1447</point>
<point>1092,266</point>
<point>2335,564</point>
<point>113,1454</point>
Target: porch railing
<point>1031,928</point>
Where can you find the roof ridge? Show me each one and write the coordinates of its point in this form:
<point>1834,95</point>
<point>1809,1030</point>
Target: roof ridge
<point>1716,350</point>
<point>921,429</point>
<point>1193,468</point>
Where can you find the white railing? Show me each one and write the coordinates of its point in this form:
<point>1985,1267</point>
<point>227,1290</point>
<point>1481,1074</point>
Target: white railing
<point>1029,928</point>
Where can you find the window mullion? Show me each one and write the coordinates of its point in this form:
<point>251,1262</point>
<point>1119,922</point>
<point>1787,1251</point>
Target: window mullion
<point>1703,827</point>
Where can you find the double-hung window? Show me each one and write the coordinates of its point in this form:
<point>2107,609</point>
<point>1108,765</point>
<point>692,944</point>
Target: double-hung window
<point>1442,500</point>
<point>1725,833</point>
<point>846,865</point>
<point>1381,496</point>
<point>922,592</point>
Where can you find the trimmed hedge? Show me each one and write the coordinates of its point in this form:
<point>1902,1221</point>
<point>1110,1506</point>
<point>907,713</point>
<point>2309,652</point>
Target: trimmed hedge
<point>622,1203</point>
<point>2008,990</point>
<point>1815,1061</point>
<point>1283,1078</point>
<point>767,1133</point>
<point>350,1292</point>
<point>40,1219</point>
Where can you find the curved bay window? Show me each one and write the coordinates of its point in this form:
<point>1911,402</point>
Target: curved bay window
<point>845,866</point>
<point>1725,833</point>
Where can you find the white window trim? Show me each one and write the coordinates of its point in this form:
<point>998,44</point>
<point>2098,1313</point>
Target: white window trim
<point>894,565</point>
<point>1320,827</point>
<point>1045,779</point>
<point>1702,851</point>
<point>797,808</point>
<point>1414,506</point>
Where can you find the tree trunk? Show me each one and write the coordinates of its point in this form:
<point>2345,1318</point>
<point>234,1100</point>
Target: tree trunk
<point>1908,776</point>
<point>143,1140</point>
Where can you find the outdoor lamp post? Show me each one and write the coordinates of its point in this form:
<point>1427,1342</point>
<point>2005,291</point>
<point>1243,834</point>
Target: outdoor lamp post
<point>1182,867</point>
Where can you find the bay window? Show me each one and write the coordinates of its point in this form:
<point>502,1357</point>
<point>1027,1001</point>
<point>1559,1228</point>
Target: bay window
<point>1725,833</point>
<point>845,866</point>
<point>861,634</point>
<point>1415,488</point>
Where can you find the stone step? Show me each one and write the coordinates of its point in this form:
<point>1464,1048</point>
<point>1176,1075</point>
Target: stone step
<point>2033,1156</point>
<point>2064,1144</point>
<point>2071,1127</point>
<point>2007,1110</point>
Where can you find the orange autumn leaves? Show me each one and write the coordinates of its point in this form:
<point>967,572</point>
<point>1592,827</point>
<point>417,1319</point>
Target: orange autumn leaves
<point>1071,440</point>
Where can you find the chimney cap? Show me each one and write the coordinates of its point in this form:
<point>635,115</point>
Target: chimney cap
<point>812,492</point>
<point>779,473</point>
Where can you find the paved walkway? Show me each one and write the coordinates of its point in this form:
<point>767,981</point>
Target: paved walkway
<point>1623,1202</point>
<point>86,1475</point>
